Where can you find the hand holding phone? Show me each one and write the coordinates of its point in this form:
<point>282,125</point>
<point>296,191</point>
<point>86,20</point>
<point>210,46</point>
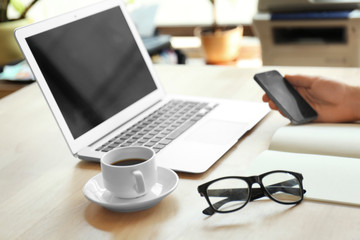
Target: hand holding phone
<point>286,98</point>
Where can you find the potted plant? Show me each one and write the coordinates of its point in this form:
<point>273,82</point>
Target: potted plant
<point>220,44</point>
<point>9,50</point>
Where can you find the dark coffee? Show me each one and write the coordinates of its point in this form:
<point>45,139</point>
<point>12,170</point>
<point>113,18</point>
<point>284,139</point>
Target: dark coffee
<point>128,162</point>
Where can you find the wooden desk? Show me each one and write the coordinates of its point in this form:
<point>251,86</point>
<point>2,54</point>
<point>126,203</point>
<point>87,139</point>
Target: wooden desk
<point>41,182</point>
<point>8,87</point>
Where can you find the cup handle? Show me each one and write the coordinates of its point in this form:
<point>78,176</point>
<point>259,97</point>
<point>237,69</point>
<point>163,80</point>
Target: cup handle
<point>140,184</point>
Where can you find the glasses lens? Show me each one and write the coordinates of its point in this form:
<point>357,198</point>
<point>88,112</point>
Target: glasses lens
<point>228,194</point>
<point>283,187</point>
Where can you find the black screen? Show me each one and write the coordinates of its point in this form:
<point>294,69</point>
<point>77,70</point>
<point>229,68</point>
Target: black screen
<point>93,68</point>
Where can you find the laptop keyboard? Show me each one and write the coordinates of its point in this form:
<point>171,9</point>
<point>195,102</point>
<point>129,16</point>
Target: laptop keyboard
<point>161,127</point>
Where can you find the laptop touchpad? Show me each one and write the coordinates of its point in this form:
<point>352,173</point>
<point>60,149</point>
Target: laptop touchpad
<point>214,131</point>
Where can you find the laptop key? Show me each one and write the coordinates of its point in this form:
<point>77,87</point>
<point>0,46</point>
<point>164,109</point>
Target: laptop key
<point>159,146</point>
<point>180,130</point>
<point>125,145</point>
<point>165,141</point>
<point>150,144</point>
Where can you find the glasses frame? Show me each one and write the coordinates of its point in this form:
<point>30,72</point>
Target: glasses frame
<point>254,193</point>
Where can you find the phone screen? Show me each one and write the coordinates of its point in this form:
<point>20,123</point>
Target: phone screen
<point>286,98</point>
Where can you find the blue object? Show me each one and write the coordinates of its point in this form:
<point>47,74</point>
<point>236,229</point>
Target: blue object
<point>311,15</point>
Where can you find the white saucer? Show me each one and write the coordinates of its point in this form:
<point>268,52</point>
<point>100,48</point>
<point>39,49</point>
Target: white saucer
<point>95,191</point>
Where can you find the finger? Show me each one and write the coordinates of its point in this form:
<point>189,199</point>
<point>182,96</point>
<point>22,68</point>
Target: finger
<point>282,114</point>
<point>273,106</point>
<point>265,98</point>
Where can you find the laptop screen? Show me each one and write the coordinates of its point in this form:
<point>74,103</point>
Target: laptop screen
<point>93,68</point>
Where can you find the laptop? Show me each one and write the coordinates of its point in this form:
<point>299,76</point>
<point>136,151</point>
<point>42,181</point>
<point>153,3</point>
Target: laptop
<point>101,87</point>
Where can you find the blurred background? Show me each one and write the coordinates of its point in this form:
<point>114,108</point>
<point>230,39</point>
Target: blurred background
<point>242,33</point>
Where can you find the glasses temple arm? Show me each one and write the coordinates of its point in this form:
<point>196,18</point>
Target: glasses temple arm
<point>286,186</point>
<point>210,211</point>
<point>230,194</point>
<point>240,193</point>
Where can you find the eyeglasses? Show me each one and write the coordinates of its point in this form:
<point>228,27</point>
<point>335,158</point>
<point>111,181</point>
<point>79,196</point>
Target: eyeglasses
<point>229,194</point>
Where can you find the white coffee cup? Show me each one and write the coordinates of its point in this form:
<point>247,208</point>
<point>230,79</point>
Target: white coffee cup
<point>129,172</point>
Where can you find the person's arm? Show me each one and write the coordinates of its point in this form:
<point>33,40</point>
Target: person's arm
<point>333,101</point>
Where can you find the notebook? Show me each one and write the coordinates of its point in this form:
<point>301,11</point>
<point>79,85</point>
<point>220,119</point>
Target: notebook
<point>327,155</point>
<point>99,81</point>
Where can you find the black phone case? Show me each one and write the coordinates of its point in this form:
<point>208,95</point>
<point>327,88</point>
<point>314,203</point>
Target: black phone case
<point>286,98</point>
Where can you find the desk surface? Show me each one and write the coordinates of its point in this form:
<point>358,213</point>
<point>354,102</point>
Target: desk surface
<point>42,182</point>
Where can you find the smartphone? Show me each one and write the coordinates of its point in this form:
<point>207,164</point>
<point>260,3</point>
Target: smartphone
<point>286,98</point>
